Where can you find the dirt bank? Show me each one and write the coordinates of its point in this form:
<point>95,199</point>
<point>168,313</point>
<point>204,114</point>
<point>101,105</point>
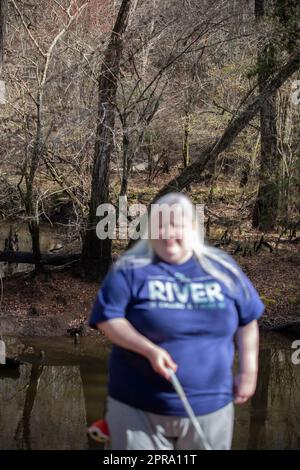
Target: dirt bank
<point>40,307</point>
<point>46,307</point>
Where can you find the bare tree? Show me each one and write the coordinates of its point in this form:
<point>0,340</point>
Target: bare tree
<point>288,126</point>
<point>96,253</point>
<point>266,206</point>
<point>34,155</point>
<point>287,14</point>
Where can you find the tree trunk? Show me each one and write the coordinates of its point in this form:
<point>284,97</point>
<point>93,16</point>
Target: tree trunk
<point>266,206</point>
<point>31,212</point>
<point>186,142</point>
<point>186,139</point>
<point>126,164</point>
<point>151,165</point>
<point>245,174</point>
<point>166,163</point>
<point>96,253</point>
<point>249,164</point>
<point>3,12</point>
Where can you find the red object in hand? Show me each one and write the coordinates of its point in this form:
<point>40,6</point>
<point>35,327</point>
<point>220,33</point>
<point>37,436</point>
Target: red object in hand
<point>99,431</point>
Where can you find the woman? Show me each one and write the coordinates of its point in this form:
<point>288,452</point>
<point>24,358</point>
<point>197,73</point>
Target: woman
<point>173,302</point>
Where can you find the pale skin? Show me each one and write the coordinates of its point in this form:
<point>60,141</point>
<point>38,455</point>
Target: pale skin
<point>123,334</point>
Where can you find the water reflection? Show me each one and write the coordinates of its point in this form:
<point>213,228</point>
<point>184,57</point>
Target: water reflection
<point>271,420</point>
<point>48,402</point>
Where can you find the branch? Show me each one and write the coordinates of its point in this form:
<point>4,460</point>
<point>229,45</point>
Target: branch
<point>59,36</point>
<point>28,30</point>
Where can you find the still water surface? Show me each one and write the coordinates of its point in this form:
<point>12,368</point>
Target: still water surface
<point>61,387</point>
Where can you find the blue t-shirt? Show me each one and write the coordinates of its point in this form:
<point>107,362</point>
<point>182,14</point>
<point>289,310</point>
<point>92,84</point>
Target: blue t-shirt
<point>186,311</point>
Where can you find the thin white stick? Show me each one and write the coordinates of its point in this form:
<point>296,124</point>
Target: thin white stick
<point>2,352</point>
<point>189,410</point>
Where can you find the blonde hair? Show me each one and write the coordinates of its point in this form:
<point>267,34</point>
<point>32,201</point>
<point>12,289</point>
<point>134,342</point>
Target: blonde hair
<point>211,259</point>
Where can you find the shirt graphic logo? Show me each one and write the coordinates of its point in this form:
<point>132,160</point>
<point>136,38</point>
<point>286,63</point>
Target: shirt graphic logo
<point>168,294</point>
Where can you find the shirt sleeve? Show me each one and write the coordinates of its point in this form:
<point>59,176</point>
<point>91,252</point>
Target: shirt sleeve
<point>112,298</point>
<point>248,303</point>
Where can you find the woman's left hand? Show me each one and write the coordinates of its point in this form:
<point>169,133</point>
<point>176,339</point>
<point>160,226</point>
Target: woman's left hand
<point>244,387</point>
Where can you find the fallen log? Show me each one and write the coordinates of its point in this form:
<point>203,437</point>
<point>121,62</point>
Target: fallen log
<point>28,258</point>
<point>278,324</point>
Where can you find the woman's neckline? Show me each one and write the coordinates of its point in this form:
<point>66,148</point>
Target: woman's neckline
<point>185,263</point>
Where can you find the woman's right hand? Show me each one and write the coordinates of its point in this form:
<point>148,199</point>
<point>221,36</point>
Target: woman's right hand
<point>161,361</point>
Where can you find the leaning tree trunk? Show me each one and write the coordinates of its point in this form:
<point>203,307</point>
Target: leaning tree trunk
<point>96,252</point>
<point>266,206</point>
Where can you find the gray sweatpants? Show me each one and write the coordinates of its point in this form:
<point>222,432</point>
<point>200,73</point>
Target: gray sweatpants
<point>134,429</point>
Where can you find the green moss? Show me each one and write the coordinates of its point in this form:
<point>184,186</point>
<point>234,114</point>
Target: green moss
<point>294,299</point>
<point>267,300</point>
